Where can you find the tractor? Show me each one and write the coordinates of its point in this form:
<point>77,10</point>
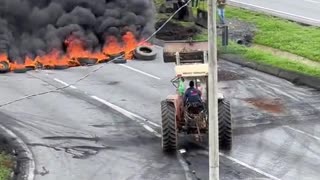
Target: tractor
<point>182,118</point>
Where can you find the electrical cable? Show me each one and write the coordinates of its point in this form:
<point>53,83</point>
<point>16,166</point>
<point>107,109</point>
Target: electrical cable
<point>95,70</point>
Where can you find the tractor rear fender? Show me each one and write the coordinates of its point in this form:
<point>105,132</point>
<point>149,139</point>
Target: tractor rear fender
<point>220,96</point>
<point>178,104</point>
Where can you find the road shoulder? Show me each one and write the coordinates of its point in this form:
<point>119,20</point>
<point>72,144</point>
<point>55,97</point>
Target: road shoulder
<point>24,162</point>
<point>294,77</point>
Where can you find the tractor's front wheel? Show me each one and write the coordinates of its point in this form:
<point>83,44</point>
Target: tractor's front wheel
<point>225,126</point>
<point>169,128</point>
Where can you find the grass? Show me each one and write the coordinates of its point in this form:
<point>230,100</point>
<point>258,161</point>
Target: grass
<point>5,166</point>
<point>279,33</point>
<point>259,56</point>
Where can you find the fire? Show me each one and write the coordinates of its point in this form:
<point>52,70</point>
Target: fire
<point>16,66</point>
<point>112,46</point>
<point>3,57</point>
<point>76,48</point>
<point>46,60</point>
<point>29,63</point>
<point>130,44</point>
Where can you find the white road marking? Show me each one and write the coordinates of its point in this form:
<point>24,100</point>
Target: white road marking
<point>249,167</point>
<point>123,111</point>
<point>32,165</point>
<point>313,1</point>
<point>151,130</point>
<point>139,71</point>
<point>117,108</point>
<point>132,116</point>
<point>185,167</point>
<point>206,153</point>
<point>302,132</point>
<point>276,11</point>
<point>64,83</point>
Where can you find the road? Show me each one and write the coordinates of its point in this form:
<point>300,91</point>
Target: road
<point>306,11</point>
<point>107,125</point>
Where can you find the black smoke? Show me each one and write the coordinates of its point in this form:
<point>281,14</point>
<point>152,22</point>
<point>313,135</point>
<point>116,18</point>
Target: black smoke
<point>34,27</point>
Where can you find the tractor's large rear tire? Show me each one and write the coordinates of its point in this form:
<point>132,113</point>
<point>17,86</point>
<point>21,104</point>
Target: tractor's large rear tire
<point>225,125</point>
<point>169,128</point>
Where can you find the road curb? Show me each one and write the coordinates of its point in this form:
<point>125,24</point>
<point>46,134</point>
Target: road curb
<point>294,77</point>
<point>25,165</point>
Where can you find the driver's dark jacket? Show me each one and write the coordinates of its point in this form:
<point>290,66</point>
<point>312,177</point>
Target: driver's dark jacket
<point>192,95</point>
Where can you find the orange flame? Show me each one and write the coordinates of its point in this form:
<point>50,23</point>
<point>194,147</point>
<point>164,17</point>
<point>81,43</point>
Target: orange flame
<point>76,48</point>
<point>130,44</point>
<point>112,46</point>
<point>16,66</point>
<point>4,57</point>
<point>29,62</point>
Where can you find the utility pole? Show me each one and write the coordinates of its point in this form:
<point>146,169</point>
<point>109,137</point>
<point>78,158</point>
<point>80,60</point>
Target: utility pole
<point>213,93</point>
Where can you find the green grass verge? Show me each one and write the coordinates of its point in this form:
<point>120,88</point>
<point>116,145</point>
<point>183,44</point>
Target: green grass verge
<point>260,56</point>
<point>279,33</point>
<point>5,166</point>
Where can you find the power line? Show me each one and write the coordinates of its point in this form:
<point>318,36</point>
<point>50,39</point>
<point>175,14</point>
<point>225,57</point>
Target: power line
<point>95,70</point>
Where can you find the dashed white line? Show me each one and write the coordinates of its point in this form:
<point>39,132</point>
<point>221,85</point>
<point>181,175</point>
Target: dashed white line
<point>123,111</point>
<point>117,108</point>
<point>276,11</point>
<point>249,167</point>
<point>133,116</point>
<point>64,83</point>
<point>139,71</point>
<point>302,132</point>
<point>151,130</point>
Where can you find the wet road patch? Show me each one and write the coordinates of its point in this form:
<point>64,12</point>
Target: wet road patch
<point>269,105</point>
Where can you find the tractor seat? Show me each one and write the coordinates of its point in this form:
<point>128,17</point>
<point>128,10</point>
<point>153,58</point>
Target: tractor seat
<point>194,107</point>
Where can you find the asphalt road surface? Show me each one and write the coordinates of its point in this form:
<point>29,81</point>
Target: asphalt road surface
<point>107,126</point>
<point>306,11</point>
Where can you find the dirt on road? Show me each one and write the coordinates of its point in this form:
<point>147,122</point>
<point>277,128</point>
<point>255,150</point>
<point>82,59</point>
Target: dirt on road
<point>270,105</point>
<point>175,31</point>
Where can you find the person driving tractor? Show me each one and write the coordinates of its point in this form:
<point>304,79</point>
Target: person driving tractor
<point>192,94</point>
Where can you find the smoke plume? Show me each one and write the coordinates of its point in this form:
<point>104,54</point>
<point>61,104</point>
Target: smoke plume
<point>35,27</point>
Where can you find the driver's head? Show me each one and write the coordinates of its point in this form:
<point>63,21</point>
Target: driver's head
<point>191,84</point>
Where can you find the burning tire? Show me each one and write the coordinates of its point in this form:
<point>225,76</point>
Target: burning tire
<point>87,61</point>
<point>145,53</point>
<point>103,60</point>
<point>22,70</point>
<point>4,67</point>
<point>169,128</point>
<point>29,68</point>
<point>225,126</point>
<point>61,67</point>
<point>113,56</point>
<point>119,61</point>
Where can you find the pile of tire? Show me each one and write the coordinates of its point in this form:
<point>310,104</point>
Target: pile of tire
<point>4,67</point>
<point>20,70</point>
<point>84,61</point>
<point>145,53</point>
<point>117,58</point>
